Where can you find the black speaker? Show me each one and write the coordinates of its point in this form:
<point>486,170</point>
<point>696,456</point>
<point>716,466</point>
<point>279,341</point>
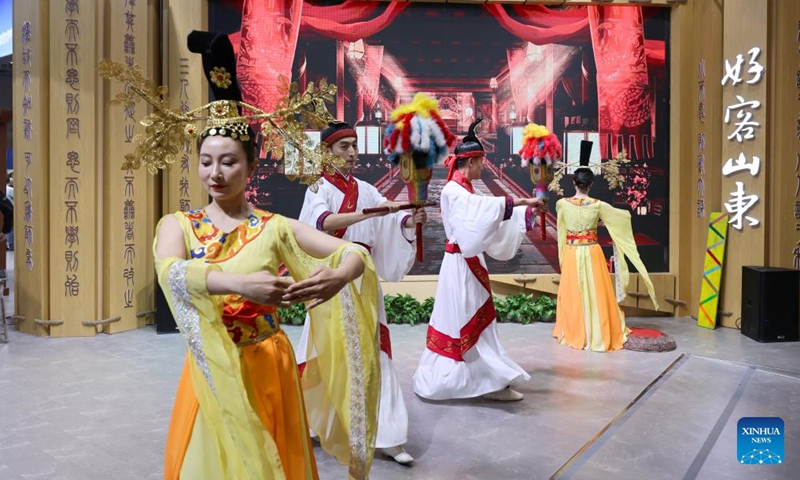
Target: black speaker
<point>771,304</point>
<point>165,322</point>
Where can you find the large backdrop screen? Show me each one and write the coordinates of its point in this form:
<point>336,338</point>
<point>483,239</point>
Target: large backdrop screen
<point>597,73</point>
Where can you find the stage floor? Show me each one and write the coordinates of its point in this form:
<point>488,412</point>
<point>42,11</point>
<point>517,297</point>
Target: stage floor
<point>99,408</point>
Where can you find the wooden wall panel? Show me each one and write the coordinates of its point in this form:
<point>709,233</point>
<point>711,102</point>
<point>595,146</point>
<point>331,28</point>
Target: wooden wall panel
<point>682,112</point>
<point>633,287</point>
<point>695,184</point>
<point>744,29</point>
<point>188,89</point>
<point>126,236</point>
<point>73,166</point>
<point>153,183</point>
<point>664,286</point>
<point>31,154</point>
<point>784,158</point>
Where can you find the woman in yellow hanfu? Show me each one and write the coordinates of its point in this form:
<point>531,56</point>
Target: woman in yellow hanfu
<point>239,411</point>
<point>588,316</point>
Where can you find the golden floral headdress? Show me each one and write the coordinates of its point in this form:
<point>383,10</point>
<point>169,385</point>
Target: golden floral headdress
<point>168,129</point>
<point>609,169</point>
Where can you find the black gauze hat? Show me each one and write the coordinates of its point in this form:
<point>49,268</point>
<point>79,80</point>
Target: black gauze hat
<point>219,63</point>
<point>586,152</point>
<point>470,142</point>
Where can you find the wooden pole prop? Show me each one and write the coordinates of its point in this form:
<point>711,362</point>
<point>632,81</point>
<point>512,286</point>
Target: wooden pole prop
<point>407,206</point>
<point>417,180</point>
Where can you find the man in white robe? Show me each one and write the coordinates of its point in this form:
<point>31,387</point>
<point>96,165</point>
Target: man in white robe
<point>464,358</point>
<point>336,208</point>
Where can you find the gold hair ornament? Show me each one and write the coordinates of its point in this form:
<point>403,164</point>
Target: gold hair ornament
<point>609,169</point>
<point>167,130</point>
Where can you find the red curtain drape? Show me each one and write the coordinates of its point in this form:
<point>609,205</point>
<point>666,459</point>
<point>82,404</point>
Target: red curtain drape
<point>348,21</point>
<point>542,26</point>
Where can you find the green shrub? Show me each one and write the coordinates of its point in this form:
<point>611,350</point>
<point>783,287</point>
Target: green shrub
<point>501,309</point>
<point>523,308</point>
<point>518,308</point>
<point>402,309</point>
<point>293,315</point>
<point>426,310</point>
<point>545,309</point>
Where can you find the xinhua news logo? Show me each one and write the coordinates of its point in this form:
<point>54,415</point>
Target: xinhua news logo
<point>760,441</point>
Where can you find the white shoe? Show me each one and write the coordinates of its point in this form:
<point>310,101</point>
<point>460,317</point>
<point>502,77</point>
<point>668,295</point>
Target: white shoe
<point>504,395</point>
<point>399,454</point>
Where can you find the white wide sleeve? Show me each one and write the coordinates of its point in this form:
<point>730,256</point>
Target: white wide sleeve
<point>393,250</point>
<point>509,236</point>
<point>392,254</point>
<point>476,221</point>
<point>315,207</point>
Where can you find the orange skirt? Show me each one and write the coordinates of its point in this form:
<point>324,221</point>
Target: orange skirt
<point>587,313</point>
<point>277,399</point>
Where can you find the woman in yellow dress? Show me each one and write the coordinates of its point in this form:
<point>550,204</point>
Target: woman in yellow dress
<point>239,410</point>
<point>588,316</point>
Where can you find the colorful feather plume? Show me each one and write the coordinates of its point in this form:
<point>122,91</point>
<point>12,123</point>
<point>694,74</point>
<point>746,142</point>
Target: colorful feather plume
<point>539,144</point>
<point>417,127</point>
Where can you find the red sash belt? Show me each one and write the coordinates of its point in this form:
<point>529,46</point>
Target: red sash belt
<point>455,348</point>
<point>452,248</point>
<point>581,237</point>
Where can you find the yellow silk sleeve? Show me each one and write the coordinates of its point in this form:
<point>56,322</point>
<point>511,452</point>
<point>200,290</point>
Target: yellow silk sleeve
<point>246,449</point>
<point>561,226</point>
<point>618,223</point>
<point>341,381</point>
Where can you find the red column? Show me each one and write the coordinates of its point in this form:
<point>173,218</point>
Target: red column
<point>624,101</point>
<point>266,50</point>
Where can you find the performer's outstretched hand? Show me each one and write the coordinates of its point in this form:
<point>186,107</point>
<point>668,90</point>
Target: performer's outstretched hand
<point>418,216</point>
